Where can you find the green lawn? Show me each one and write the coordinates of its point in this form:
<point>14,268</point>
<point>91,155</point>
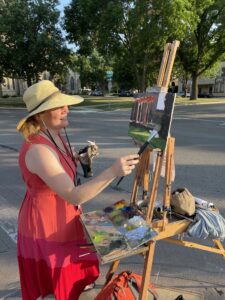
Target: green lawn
<point>110,102</point>
<point>116,102</point>
<point>182,100</point>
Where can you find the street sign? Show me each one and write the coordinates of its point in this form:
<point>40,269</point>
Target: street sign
<point>109,74</point>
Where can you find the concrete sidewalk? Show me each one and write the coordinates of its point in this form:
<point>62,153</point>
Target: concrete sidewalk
<point>172,286</point>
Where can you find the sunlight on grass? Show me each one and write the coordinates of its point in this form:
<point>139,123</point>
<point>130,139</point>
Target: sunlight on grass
<point>110,102</point>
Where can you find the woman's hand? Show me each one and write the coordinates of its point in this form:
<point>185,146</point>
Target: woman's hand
<point>124,165</point>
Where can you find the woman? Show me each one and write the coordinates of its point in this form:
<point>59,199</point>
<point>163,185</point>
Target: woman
<point>50,234</point>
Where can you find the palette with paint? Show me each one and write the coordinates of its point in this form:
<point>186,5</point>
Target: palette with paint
<point>116,230</point>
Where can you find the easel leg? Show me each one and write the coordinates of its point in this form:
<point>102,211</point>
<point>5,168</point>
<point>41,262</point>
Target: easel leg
<point>146,175</point>
<point>147,271</point>
<point>111,271</point>
<point>168,178</point>
<point>144,160</point>
<point>155,184</point>
<point>219,245</point>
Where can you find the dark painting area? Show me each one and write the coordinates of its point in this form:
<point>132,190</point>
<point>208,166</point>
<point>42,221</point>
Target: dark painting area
<point>152,111</point>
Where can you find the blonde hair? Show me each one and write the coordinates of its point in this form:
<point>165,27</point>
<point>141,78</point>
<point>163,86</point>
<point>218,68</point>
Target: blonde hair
<point>30,127</point>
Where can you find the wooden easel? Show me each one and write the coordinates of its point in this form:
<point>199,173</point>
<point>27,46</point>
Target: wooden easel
<point>164,225</point>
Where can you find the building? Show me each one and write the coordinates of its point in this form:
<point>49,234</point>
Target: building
<point>13,87</point>
<point>16,87</point>
<point>208,87</point>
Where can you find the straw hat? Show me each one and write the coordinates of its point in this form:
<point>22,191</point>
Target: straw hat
<point>42,96</point>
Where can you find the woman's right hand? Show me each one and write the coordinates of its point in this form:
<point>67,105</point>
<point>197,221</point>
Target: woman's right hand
<point>125,165</point>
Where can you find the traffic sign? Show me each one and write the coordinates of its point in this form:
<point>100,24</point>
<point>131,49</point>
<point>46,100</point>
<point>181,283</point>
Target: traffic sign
<point>109,74</point>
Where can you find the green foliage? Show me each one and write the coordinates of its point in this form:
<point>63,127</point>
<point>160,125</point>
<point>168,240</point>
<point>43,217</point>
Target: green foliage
<point>92,69</point>
<point>138,29</point>
<point>30,39</point>
<point>213,71</point>
<point>205,45</point>
<point>122,74</point>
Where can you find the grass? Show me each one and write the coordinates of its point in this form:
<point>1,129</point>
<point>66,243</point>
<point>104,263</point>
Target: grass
<point>115,102</point>
<point>12,102</point>
<point>186,100</point>
<point>110,102</point>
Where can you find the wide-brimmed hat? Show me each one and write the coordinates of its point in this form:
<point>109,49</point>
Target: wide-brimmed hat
<point>43,96</point>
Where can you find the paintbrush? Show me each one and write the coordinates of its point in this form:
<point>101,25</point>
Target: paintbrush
<point>154,132</point>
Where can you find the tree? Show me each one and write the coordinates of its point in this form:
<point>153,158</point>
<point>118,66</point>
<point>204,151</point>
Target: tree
<point>205,45</point>
<point>122,75</point>
<point>134,29</point>
<point>30,39</point>
<point>92,69</point>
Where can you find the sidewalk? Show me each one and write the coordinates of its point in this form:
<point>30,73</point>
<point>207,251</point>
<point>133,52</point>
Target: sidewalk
<point>167,287</point>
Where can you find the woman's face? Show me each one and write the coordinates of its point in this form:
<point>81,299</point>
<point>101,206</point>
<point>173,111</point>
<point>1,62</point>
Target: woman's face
<point>56,118</point>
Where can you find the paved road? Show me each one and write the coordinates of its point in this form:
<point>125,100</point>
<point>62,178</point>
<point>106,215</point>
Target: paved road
<point>200,158</point>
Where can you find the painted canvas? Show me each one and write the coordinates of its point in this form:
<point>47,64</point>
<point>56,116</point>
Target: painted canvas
<point>117,230</point>
<point>152,111</point>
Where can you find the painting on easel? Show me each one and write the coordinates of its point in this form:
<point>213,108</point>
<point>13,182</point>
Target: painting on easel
<point>151,111</point>
<point>117,230</point>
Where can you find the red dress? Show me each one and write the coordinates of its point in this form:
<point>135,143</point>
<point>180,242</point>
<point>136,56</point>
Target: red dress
<point>49,238</point>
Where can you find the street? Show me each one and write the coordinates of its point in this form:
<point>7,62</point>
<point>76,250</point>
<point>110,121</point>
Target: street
<point>199,131</point>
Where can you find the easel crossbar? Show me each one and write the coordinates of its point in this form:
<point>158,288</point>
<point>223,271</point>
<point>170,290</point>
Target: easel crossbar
<point>196,246</point>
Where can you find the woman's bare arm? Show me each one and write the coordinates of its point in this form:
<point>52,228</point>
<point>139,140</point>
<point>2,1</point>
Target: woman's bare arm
<point>44,162</point>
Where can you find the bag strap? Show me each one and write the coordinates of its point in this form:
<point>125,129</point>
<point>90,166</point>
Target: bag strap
<point>132,284</point>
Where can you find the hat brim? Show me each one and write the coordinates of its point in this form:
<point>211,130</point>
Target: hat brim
<point>54,102</point>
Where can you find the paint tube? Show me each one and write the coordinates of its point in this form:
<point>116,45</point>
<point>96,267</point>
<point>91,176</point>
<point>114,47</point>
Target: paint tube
<point>203,203</point>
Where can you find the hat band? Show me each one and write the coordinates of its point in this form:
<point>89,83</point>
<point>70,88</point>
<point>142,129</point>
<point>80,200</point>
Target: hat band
<point>44,100</point>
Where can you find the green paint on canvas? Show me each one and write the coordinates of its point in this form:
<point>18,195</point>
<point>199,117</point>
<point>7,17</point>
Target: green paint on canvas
<point>141,135</point>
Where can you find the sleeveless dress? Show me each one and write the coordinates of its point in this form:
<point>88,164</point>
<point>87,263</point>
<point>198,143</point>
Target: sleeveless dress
<point>50,236</point>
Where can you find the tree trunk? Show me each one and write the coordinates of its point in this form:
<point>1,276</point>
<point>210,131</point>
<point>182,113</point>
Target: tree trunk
<point>29,81</point>
<point>0,90</point>
<point>194,87</point>
<point>138,78</point>
<point>142,85</point>
<point>143,74</point>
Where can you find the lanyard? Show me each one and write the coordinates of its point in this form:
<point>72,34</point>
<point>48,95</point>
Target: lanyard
<point>69,153</point>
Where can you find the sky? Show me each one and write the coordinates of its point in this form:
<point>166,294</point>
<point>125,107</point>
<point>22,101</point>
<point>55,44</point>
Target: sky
<point>63,3</point>
<point>61,6</point>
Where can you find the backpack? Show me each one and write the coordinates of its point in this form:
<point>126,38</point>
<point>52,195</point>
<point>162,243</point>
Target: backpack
<point>125,286</point>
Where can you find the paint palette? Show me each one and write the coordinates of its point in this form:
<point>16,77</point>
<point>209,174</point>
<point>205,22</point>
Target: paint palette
<point>116,230</point>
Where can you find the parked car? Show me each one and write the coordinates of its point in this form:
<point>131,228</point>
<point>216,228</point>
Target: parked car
<point>125,94</point>
<point>205,95</point>
<point>181,94</point>
<point>97,93</point>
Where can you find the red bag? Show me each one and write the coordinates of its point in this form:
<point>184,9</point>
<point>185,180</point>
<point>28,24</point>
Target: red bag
<point>125,286</point>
